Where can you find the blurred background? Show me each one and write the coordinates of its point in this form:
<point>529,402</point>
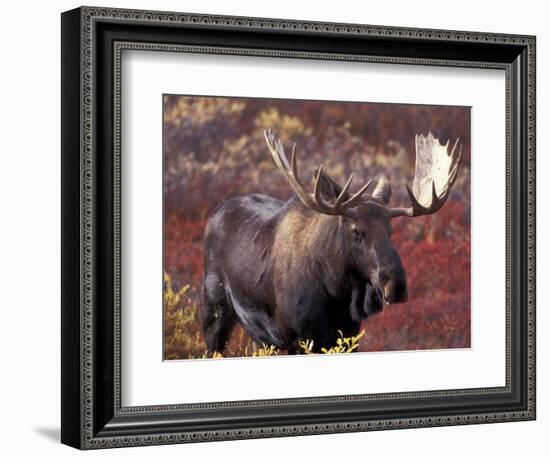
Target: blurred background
<point>214,149</point>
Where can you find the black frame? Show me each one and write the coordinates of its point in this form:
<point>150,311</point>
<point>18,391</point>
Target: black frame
<point>92,42</point>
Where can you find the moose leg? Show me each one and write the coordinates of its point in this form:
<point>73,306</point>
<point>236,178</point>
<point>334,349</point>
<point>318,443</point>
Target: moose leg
<point>217,331</point>
<point>295,348</point>
<point>218,318</point>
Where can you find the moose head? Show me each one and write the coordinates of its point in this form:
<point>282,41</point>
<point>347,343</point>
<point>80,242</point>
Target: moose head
<point>365,218</point>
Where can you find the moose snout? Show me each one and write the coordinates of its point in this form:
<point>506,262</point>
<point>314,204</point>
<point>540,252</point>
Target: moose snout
<point>395,290</point>
<point>392,279</point>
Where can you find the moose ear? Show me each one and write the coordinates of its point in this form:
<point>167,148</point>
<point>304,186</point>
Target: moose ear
<point>328,188</point>
<point>382,191</point>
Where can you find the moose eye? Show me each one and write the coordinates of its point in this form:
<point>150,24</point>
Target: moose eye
<point>358,235</point>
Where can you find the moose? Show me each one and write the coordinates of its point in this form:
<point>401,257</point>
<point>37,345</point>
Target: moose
<point>317,264</point>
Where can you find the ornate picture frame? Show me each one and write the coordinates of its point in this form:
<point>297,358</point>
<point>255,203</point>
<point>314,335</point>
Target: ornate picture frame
<point>93,40</point>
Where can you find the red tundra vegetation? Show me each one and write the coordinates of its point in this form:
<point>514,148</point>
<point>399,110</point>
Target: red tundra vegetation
<point>214,149</point>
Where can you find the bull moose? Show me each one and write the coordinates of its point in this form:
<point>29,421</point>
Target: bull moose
<point>318,263</point>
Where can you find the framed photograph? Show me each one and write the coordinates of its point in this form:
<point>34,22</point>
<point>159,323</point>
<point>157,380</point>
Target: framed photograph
<point>273,227</point>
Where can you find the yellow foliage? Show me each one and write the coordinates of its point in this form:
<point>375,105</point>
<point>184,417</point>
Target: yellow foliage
<point>180,316</point>
<point>287,125</point>
<point>215,355</point>
<point>265,351</point>
<point>201,109</point>
<point>306,346</point>
<point>343,345</point>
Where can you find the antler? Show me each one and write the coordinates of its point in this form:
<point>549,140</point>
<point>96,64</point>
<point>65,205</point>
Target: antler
<point>313,200</point>
<point>435,172</point>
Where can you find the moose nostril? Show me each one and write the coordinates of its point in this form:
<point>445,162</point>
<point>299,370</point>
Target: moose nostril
<point>395,292</point>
